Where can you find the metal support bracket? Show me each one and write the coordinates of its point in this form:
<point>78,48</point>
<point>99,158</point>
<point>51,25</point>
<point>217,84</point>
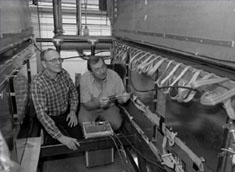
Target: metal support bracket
<point>57,41</point>
<point>171,162</point>
<point>231,127</point>
<point>171,137</point>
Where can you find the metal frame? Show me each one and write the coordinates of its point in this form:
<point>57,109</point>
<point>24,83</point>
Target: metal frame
<point>85,145</point>
<point>224,43</point>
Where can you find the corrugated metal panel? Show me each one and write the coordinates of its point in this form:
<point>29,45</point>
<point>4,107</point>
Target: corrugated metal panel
<point>205,29</point>
<point>15,23</point>
<point>14,16</point>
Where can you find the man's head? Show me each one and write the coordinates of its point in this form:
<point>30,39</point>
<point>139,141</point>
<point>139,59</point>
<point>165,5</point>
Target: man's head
<point>97,67</point>
<point>51,61</point>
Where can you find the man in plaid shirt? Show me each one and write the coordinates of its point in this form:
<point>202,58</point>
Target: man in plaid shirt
<point>55,100</point>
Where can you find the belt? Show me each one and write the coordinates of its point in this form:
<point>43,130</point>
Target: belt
<point>102,109</point>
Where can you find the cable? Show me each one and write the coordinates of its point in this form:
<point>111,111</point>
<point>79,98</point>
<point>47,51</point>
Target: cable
<point>122,148</point>
<point>158,88</point>
<point>123,161</point>
<point>118,139</point>
<point>82,56</point>
<point>85,57</point>
<point>142,156</point>
<point>120,143</point>
<point>35,45</point>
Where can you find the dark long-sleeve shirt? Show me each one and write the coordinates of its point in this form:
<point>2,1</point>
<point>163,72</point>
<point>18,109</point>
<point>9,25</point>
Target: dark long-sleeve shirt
<point>52,97</point>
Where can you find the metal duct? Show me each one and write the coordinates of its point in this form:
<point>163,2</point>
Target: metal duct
<point>82,46</point>
<point>57,15</point>
<point>74,38</point>
<point>78,17</point>
<point>73,42</point>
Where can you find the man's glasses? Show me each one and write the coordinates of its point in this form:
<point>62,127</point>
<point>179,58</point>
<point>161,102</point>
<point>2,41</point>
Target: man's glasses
<point>55,60</point>
<point>100,70</point>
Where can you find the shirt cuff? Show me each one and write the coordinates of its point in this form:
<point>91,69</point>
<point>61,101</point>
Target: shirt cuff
<point>57,135</point>
<point>74,109</point>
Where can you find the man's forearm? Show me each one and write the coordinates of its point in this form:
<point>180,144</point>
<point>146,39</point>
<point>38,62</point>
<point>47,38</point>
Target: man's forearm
<point>49,126</point>
<point>74,100</point>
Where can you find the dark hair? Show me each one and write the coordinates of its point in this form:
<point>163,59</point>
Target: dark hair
<point>44,52</point>
<point>93,60</point>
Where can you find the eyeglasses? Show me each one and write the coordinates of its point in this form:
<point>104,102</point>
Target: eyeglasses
<point>55,60</point>
<point>100,70</point>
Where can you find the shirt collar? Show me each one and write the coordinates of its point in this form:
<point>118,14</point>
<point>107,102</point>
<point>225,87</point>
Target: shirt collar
<point>48,76</point>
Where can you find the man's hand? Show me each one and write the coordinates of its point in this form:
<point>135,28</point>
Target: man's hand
<point>70,142</point>
<point>72,118</point>
<point>104,102</point>
<point>123,98</point>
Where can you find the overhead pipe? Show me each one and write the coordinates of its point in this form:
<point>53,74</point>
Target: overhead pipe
<point>79,21</point>
<point>57,16</point>
<point>78,38</point>
<point>60,22</point>
<point>83,45</point>
<point>78,17</point>
<point>93,47</point>
<point>70,42</point>
<point>73,42</point>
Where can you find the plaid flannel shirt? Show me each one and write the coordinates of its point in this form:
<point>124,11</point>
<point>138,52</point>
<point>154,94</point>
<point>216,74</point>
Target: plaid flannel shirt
<point>52,97</point>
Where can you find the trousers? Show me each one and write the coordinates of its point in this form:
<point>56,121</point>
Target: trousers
<point>66,130</point>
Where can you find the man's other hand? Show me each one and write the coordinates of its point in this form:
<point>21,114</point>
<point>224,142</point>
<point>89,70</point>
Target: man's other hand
<point>123,98</point>
<point>72,119</point>
<point>104,102</point>
<point>70,142</point>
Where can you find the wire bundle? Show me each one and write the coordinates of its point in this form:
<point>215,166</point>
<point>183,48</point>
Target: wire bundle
<point>177,80</point>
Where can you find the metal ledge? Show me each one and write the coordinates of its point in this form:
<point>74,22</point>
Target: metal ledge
<point>224,43</point>
<point>85,145</point>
